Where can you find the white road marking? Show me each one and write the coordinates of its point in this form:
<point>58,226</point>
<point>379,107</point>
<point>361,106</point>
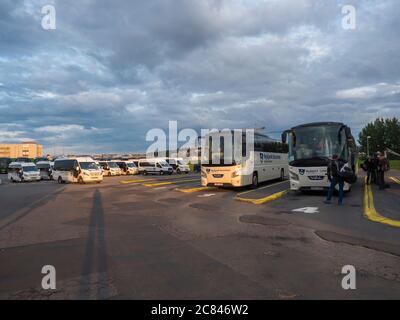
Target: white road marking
<point>307,210</point>
<point>206,195</point>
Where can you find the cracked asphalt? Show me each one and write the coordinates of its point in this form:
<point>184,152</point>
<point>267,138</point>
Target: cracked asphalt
<point>167,238</point>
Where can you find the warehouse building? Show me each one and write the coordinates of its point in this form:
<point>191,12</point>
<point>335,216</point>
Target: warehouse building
<point>28,149</point>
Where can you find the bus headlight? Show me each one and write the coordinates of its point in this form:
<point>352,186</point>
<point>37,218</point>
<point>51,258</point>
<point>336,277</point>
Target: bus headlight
<point>294,176</point>
<point>235,173</point>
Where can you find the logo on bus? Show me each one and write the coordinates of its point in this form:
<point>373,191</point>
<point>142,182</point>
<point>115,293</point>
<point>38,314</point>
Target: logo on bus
<point>302,172</point>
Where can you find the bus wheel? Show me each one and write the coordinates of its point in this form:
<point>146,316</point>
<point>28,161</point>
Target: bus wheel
<point>161,173</point>
<point>145,173</point>
<point>60,180</point>
<point>80,180</point>
<point>254,181</point>
<point>178,171</point>
<point>282,175</point>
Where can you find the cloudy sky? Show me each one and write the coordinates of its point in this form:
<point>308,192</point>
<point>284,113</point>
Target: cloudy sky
<point>112,70</point>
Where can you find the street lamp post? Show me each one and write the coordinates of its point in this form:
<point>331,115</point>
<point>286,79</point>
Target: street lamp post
<point>369,137</point>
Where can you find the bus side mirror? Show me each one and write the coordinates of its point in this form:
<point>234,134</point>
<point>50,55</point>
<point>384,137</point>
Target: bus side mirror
<point>77,169</point>
<point>284,137</point>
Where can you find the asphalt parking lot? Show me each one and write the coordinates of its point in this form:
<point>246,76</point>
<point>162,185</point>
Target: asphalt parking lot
<point>153,237</point>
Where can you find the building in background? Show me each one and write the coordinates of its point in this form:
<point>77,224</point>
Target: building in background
<point>28,149</point>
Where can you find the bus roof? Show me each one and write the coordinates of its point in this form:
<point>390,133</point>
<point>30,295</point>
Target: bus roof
<point>22,164</point>
<point>317,124</point>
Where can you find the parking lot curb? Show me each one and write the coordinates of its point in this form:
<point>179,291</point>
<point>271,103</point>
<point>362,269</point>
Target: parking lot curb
<point>192,190</point>
<point>156,184</point>
<point>369,208</point>
<point>272,197</point>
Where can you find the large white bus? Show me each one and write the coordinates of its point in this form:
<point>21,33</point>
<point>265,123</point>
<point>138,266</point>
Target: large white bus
<point>264,159</point>
<point>311,146</point>
<point>79,169</point>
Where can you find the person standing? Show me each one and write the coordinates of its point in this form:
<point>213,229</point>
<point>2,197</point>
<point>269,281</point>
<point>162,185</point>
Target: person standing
<point>383,166</point>
<point>334,178</point>
<point>369,166</point>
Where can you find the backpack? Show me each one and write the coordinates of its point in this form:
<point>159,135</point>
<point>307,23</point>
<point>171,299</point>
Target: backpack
<point>347,174</point>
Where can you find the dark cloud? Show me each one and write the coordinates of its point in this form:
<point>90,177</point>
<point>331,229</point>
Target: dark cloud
<point>114,69</point>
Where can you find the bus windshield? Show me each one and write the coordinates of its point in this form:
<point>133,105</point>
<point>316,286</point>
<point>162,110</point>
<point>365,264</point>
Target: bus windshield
<point>88,165</point>
<point>131,165</point>
<point>317,143</point>
<point>30,168</point>
<point>113,165</point>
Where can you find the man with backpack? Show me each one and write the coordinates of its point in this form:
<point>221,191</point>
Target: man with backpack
<point>334,167</point>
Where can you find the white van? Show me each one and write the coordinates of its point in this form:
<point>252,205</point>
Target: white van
<point>178,164</point>
<point>110,168</point>
<point>23,171</point>
<point>45,169</point>
<point>81,170</point>
<point>127,167</point>
<point>154,166</point>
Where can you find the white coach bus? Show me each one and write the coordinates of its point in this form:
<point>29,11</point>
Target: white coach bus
<point>79,169</point>
<point>262,161</point>
<point>311,146</point>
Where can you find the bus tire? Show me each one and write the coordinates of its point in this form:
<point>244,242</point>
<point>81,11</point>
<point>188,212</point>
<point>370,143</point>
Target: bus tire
<point>282,175</point>
<point>178,171</point>
<point>80,180</point>
<point>145,173</point>
<point>254,180</point>
<point>161,173</point>
<point>60,180</point>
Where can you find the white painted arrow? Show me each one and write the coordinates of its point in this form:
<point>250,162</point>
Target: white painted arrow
<point>307,210</point>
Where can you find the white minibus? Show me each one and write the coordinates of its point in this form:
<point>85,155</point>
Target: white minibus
<point>178,165</point>
<point>23,171</point>
<point>154,166</point>
<point>79,169</point>
<point>45,169</point>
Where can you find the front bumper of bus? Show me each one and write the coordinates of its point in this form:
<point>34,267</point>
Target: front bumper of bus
<point>226,177</point>
<point>88,179</point>
<point>310,179</point>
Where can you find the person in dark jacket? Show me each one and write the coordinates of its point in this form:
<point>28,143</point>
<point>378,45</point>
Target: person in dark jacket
<point>334,178</point>
<point>369,166</point>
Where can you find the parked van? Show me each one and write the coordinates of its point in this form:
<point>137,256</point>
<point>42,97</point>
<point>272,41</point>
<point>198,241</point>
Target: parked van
<point>4,163</point>
<point>80,170</point>
<point>21,171</point>
<point>110,168</point>
<point>24,159</point>
<point>127,167</point>
<point>154,166</point>
<point>178,164</point>
<point>45,169</point>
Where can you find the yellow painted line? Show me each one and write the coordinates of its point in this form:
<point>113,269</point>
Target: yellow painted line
<point>369,209</point>
<point>147,180</point>
<point>395,180</point>
<point>272,197</point>
<point>168,182</point>
<point>191,190</point>
<point>269,186</point>
<point>131,181</point>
